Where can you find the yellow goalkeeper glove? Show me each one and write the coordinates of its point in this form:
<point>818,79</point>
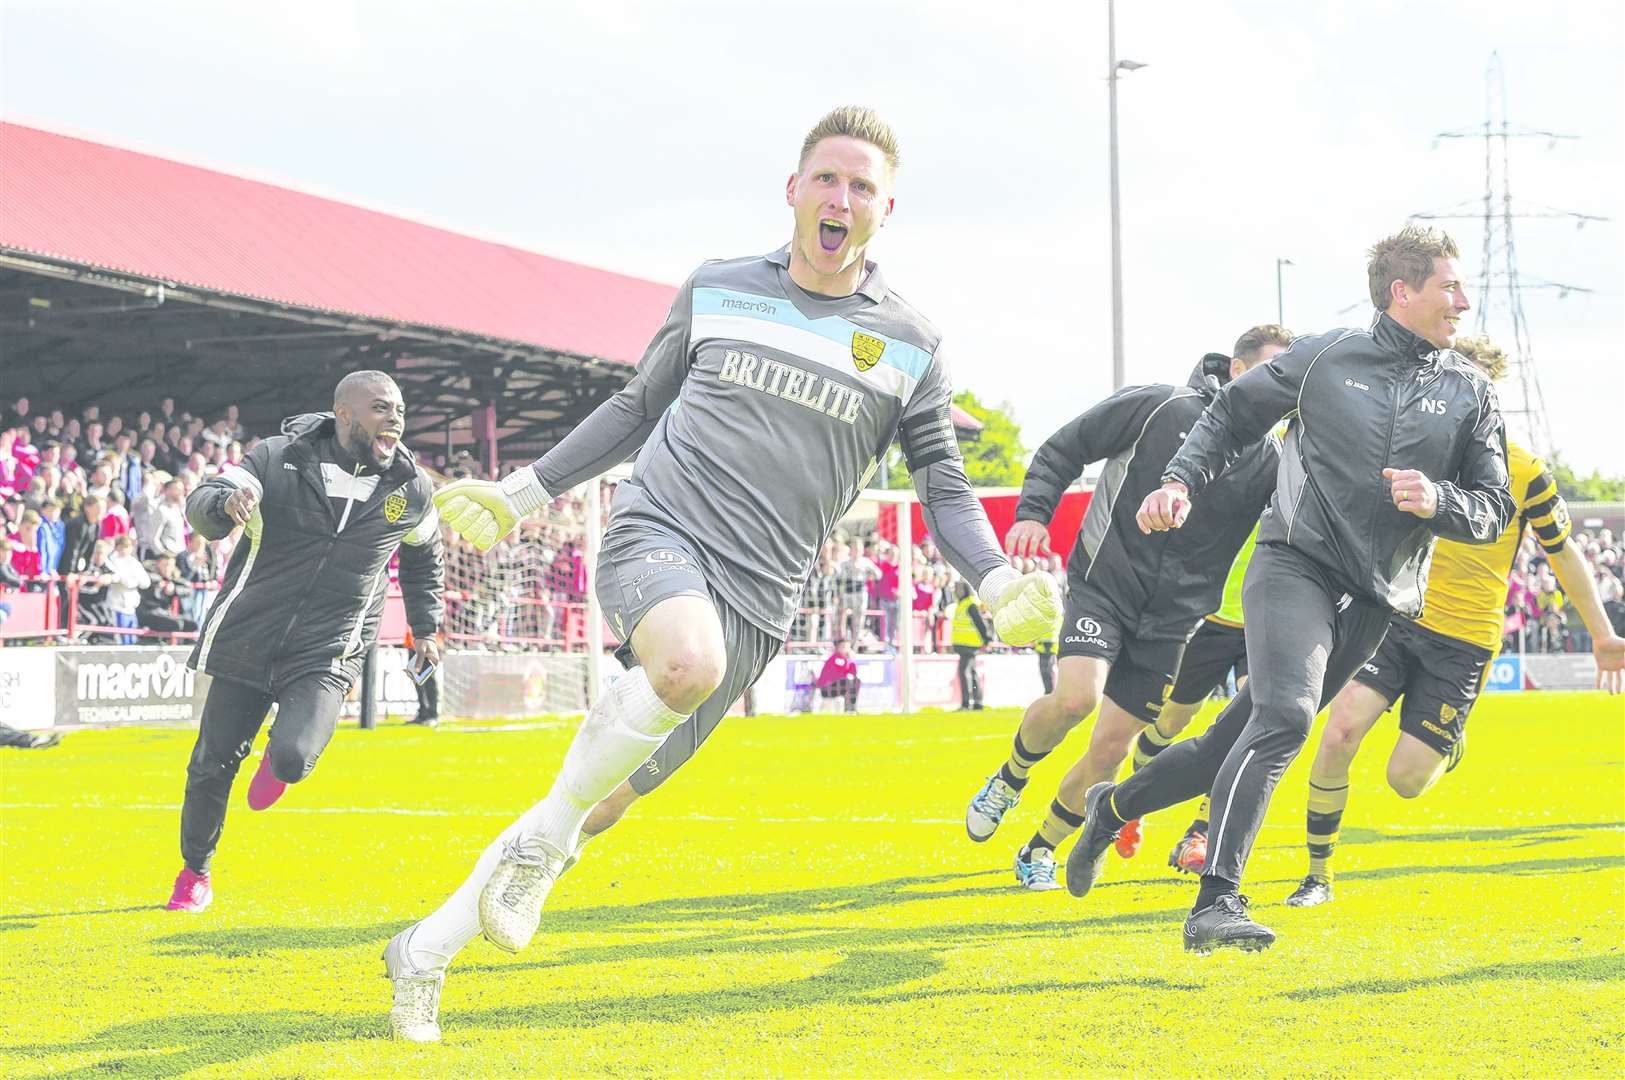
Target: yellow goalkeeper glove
<point>484,511</point>
<point>1025,607</point>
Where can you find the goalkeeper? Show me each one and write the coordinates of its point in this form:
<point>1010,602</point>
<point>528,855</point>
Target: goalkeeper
<point>761,406</point>
<point>1132,601</point>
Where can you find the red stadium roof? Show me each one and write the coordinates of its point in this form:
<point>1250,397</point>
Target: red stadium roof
<point>112,209</point>
<point>115,209</point>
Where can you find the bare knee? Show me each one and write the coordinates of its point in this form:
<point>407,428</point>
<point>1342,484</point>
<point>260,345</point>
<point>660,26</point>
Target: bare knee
<point>1407,787</point>
<point>1175,719</point>
<point>1408,781</point>
<point>1340,741</point>
<point>686,674</point>
<point>1073,703</point>
<point>1354,711</point>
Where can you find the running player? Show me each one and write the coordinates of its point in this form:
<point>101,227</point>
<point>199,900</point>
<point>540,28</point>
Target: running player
<point>761,406</point>
<point>1439,663</point>
<point>1132,600</point>
<point>322,507</point>
<point>1378,414</point>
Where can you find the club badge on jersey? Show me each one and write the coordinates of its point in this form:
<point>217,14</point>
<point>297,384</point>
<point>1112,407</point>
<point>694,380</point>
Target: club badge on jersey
<point>866,350</point>
<point>395,505</point>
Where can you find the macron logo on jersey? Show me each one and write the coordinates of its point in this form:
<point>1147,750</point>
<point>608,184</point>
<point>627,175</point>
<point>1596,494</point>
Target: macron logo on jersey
<point>792,384</point>
<point>748,305</point>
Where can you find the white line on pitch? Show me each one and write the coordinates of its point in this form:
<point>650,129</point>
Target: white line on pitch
<point>809,819</point>
<point>418,812</point>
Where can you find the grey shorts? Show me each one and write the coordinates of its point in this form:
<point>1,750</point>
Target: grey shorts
<point>641,564</point>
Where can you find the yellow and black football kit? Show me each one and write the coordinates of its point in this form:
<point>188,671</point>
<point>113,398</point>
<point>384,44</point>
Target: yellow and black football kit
<point>1439,662</point>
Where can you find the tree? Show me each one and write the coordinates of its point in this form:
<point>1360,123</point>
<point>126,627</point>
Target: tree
<point>996,458</point>
<point>1593,488</point>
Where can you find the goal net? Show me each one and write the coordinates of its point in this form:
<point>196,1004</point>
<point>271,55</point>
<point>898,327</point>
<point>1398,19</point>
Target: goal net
<point>523,633</point>
<point>883,589</point>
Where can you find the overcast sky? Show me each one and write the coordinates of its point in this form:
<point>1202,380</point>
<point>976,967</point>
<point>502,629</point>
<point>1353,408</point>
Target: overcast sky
<point>648,137</point>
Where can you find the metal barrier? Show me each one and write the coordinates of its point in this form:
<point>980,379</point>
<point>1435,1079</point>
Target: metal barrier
<point>42,615</point>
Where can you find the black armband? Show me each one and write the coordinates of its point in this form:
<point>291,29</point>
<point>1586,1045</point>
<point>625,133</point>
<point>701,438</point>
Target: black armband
<point>929,438</point>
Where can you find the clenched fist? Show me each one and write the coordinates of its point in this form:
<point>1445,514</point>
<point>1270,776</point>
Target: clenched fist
<point>1165,508</point>
<point>1412,492</point>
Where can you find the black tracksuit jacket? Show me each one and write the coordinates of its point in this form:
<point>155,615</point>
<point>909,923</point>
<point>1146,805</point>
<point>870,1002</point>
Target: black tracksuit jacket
<point>1163,583</point>
<point>304,591</point>
<point>1363,400</point>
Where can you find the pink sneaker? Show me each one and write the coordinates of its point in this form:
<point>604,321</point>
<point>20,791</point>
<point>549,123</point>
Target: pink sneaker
<point>192,891</point>
<point>265,789</point>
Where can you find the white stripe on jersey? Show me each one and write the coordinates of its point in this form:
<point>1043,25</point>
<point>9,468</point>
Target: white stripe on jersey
<point>341,484</point>
<point>239,477</point>
<point>804,345</point>
<point>255,531</point>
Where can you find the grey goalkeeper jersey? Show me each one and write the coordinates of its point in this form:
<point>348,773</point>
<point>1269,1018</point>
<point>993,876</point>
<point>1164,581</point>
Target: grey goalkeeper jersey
<point>761,411</point>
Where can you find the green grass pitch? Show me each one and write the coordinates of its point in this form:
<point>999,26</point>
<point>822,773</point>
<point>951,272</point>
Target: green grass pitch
<point>802,900</point>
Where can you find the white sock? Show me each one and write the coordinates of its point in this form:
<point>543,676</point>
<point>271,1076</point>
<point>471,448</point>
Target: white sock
<point>628,723</point>
<point>455,923</point>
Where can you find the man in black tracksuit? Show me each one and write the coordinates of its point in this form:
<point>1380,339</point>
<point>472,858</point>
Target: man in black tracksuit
<point>323,507</point>
<point>1345,542</point>
<point>1132,600</point>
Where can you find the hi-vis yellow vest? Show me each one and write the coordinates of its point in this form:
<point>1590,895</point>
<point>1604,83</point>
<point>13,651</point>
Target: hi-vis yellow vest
<point>965,632</point>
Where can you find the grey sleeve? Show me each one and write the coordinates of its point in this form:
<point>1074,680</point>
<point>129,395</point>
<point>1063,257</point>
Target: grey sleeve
<point>952,512</point>
<point>617,429</point>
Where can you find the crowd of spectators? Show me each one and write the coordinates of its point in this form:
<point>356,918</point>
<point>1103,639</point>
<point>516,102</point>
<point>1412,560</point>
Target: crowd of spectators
<point>101,500</point>
<point>855,594</point>
<point>1539,617</point>
<point>530,590</point>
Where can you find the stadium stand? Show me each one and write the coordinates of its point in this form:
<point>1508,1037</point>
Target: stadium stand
<point>529,593</point>
<point>152,352</point>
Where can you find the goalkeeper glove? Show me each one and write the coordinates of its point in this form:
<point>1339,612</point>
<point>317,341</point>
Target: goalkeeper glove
<point>1026,607</point>
<point>484,511</point>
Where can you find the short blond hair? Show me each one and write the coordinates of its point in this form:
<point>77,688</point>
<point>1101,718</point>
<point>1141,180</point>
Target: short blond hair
<point>855,122</point>
<point>1490,357</point>
<point>1405,256</point>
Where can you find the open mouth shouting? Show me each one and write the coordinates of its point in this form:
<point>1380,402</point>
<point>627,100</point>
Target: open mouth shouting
<point>383,445</point>
<point>831,235</point>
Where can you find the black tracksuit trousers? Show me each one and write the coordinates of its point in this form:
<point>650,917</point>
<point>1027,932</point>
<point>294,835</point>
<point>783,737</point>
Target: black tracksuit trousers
<point>307,712</point>
<point>970,681</point>
<point>1305,637</point>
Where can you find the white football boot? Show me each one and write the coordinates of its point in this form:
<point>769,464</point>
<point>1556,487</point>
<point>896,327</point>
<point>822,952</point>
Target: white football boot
<point>511,902</point>
<point>988,807</point>
<point>415,1014</point>
<point>1035,870</point>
